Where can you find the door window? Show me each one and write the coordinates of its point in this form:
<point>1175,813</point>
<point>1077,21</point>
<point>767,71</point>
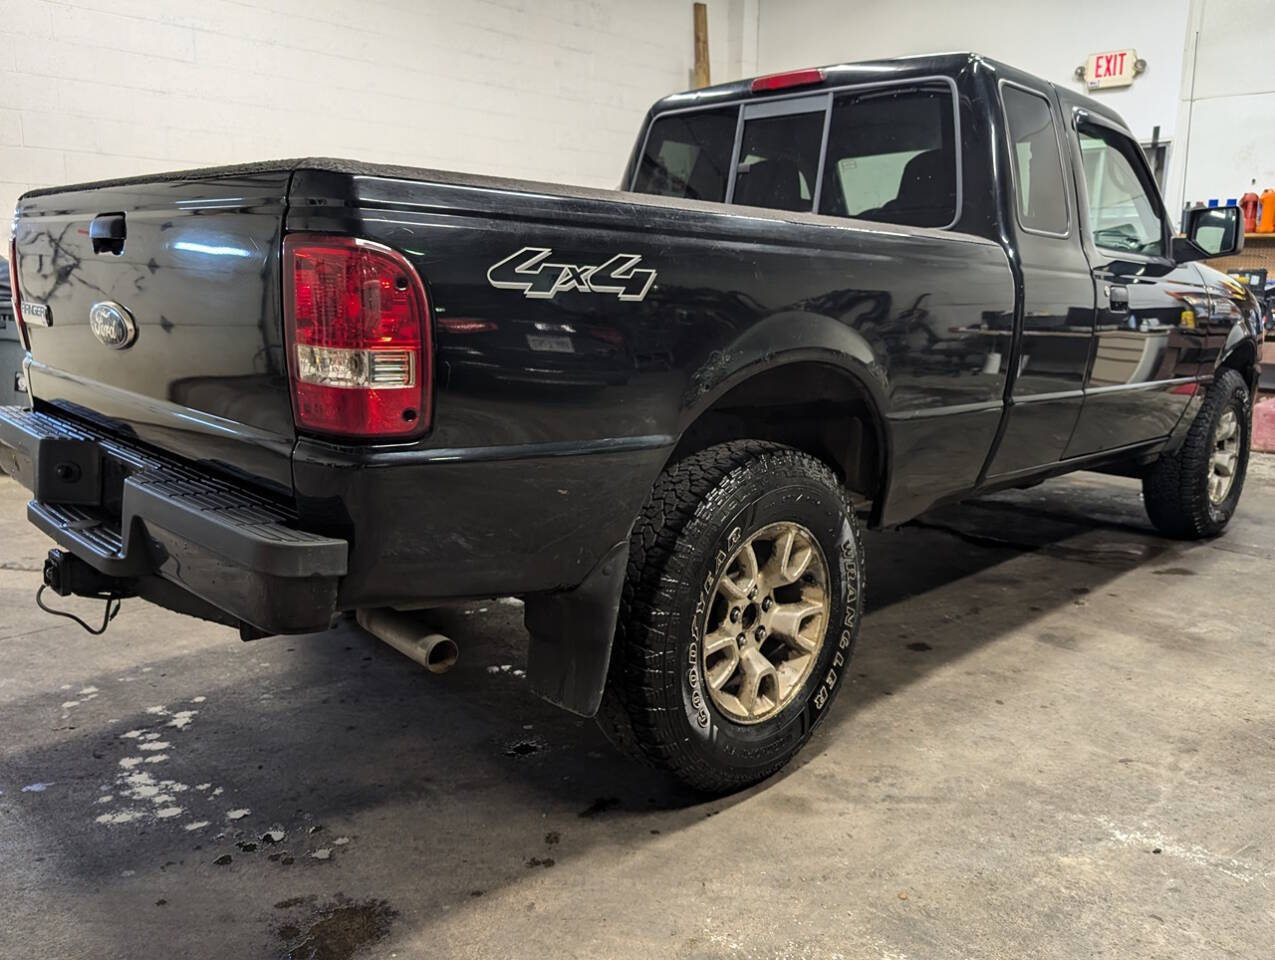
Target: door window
<point>892,157</point>
<point>1123,213</point>
<point>1038,173</point>
<point>779,159</point>
<point>688,155</point>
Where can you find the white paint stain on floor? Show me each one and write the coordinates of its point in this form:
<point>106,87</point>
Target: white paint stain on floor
<point>85,695</point>
<point>1241,870</point>
<point>119,816</point>
<point>142,794</point>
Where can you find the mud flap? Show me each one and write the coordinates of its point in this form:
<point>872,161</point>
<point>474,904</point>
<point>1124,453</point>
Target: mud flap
<point>571,635</point>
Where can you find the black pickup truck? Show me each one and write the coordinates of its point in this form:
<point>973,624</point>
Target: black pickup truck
<point>274,394</point>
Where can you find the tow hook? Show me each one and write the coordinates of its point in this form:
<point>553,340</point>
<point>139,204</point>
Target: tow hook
<point>69,576</point>
<point>411,637</point>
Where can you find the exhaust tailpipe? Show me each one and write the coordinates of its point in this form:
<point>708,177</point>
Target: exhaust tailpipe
<point>411,637</point>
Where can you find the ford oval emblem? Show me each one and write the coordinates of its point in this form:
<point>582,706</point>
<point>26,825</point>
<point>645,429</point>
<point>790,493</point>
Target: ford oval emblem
<point>112,324</point>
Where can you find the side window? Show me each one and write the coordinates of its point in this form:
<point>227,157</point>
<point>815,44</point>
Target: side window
<point>1123,214</point>
<point>892,157</point>
<point>779,160</point>
<point>688,155</point>
<point>1038,172</point>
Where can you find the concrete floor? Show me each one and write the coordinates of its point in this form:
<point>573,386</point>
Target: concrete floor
<point>1059,742</point>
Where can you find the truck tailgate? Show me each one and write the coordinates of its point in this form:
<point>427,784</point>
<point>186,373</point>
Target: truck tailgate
<point>181,279</point>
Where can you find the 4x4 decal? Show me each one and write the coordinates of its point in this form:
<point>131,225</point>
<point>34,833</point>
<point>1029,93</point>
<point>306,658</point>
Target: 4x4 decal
<point>531,271</point>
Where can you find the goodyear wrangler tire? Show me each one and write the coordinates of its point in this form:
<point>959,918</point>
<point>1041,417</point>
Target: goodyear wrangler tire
<point>739,614</point>
<point>1192,493</point>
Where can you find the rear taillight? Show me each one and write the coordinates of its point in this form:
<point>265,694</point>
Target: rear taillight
<point>357,324</point>
<point>13,292</point>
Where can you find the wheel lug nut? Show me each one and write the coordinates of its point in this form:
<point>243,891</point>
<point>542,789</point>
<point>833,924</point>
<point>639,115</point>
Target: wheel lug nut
<point>734,615</point>
<point>767,604</point>
<point>740,639</point>
<point>760,633</point>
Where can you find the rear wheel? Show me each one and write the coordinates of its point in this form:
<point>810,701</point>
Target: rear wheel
<point>740,609</point>
<point>1193,492</point>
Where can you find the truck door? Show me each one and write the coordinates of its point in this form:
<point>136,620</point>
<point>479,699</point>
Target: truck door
<point>1145,357</point>
<point>1049,350</point>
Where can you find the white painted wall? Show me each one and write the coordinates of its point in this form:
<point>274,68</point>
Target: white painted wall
<point>1049,39</point>
<point>555,89</point>
<point>1227,102</point>
<point>544,90</point>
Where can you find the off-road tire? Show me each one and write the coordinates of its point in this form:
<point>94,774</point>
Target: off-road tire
<point>656,707</point>
<point>1176,488</point>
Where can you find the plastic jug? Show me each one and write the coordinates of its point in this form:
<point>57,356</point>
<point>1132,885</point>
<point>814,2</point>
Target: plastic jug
<point>1248,204</point>
<point>1266,212</point>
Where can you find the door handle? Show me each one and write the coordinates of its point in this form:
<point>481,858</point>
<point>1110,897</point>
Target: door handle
<point>107,232</point>
<point>1118,298</point>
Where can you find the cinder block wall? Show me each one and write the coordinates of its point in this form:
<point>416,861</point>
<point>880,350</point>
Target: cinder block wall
<point>545,90</point>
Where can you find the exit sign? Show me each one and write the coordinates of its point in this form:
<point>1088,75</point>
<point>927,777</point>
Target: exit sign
<point>1114,69</point>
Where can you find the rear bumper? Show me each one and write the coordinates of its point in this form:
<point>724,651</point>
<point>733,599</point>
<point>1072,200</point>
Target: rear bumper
<point>131,513</point>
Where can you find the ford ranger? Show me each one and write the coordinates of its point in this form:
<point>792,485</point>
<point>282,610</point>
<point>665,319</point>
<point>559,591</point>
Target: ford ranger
<point>274,394</point>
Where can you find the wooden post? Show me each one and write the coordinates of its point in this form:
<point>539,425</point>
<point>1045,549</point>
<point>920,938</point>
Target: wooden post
<point>701,46</point>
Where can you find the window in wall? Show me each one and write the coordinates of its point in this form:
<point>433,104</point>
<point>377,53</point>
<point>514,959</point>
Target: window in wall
<point>892,157</point>
<point>688,155</point>
<point>1123,216</point>
<point>1038,172</point>
<point>779,159</point>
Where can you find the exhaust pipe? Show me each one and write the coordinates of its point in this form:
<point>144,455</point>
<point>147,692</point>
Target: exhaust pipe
<point>410,637</point>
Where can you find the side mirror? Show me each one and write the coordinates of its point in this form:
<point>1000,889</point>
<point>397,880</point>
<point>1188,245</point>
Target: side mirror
<point>1210,232</point>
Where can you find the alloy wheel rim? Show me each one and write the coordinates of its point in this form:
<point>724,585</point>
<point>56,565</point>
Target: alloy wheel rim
<point>1225,457</point>
<point>766,622</point>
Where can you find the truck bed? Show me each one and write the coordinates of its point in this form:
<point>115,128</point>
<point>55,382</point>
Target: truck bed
<point>551,416</point>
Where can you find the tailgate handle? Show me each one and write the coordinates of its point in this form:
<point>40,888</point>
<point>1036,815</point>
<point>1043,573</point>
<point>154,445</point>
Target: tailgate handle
<point>107,231</point>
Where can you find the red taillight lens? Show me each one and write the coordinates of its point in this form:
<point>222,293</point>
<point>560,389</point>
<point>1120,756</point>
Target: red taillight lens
<point>15,296</point>
<point>782,81</point>
<point>357,324</point>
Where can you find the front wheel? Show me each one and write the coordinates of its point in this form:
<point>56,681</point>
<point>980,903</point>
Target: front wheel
<point>740,610</point>
<point>1193,492</point>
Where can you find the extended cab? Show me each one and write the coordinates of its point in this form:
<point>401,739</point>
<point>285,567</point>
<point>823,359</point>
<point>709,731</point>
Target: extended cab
<point>272,394</point>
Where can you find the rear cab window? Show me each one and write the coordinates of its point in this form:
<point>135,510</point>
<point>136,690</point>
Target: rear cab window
<point>881,152</point>
<point>779,160</point>
<point>892,156</point>
<point>688,155</point>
